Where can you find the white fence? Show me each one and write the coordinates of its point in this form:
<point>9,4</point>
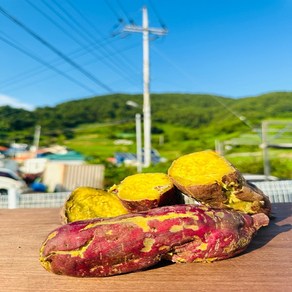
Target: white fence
<point>34,200</point>
<point>277,191</point>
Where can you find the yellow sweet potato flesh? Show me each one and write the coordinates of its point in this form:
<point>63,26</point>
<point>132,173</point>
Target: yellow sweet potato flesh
<point>86,203</point>
<point>211,179</point>
<point>144,191</point>
<point>201,168</point>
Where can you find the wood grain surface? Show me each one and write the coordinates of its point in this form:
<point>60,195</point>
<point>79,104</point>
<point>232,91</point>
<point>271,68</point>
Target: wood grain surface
<point>265,266</point>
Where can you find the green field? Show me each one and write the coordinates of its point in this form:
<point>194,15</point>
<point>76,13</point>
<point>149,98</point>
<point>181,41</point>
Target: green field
<point>97,143</point>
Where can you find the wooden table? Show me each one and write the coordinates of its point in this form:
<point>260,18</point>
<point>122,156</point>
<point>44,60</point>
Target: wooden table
<point>265,266</point>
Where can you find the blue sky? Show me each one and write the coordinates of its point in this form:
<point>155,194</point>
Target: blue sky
<point>232,48</point>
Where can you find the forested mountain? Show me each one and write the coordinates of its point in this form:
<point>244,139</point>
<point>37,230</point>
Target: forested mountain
<point>186,110</point>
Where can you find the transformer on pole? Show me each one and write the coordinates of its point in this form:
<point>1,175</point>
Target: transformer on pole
<point>146,30</point>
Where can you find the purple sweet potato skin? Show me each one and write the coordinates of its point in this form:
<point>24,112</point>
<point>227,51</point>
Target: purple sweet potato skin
<point>131,242</point>
<point>169,197</point>
<point>235,233</point>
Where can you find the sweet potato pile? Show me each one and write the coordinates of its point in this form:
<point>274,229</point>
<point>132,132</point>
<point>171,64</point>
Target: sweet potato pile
<point>141,220</point>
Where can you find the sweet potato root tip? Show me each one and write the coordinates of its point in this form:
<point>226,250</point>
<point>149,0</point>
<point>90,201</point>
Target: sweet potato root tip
<point>260,220</point>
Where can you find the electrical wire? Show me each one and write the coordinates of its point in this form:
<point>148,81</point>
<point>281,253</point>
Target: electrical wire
<point>120,19</point>
<point>55,50</point>
<point>113,49</point>
<point>23,75</point>
<point>46,64</point>
<point>240,117</point>
<point>35,71</point>
<point>74,54</point>
<point>161,22</point>
<point>130,19</point>
<point>45,15</point>
<point>39,70</point>
<point>87,36</point>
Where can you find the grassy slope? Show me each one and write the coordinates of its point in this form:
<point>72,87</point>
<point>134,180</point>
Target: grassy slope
<point>221,119</point>
<point>93,140</point>
<point>184,123</point>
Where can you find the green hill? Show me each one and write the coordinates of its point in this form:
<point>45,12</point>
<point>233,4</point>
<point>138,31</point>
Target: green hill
<point>181,123</point>
<point>200,113</point>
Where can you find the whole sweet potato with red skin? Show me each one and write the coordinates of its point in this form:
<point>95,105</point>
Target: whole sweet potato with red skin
<point>132,242</point>
<point>233,236</point>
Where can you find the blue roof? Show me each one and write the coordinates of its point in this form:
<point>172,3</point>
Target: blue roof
<point>70,155</point>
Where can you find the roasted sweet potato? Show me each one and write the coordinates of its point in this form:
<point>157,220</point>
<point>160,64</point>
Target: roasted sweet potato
<point>86,203</point>
<point>212,180</point>
<point>144,191</point>
<point>132,242</point>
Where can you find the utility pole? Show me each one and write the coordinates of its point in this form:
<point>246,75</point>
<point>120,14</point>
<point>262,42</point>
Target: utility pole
<point>36,141</point>
<point>146,30</point>
<point>265,147</point>
<point>138,142</point>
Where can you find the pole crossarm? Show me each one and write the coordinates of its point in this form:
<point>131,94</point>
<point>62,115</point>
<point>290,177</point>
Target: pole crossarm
<point>135,28</point>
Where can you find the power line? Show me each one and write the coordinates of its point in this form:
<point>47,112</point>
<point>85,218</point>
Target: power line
<point>130,20</point>
<point>108,48</point>
<point>55,50</point>
<point>86,19</point>
<point>25,75</point>
<point>45,64</point>
<point>37,70</point>
<point>70,21</point>
<point>241,118</point>
<point>157,15</point>
<point>75,54</point>
<point>120,19</point>
<point>87,36</point>
<point>66,32</point>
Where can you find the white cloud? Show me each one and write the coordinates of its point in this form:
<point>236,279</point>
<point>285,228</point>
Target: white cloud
<point>13,102</point>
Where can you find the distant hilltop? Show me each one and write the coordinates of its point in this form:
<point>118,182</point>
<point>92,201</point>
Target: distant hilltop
<point>186,110</point>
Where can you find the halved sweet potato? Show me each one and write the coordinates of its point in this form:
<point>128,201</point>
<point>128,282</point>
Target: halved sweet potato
<point>86,203</point>
<point>144,191</point>
<point>211,179</point>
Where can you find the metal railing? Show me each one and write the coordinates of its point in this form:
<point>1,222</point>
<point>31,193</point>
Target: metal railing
<point>277,191</point>
<point>33,200</point>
